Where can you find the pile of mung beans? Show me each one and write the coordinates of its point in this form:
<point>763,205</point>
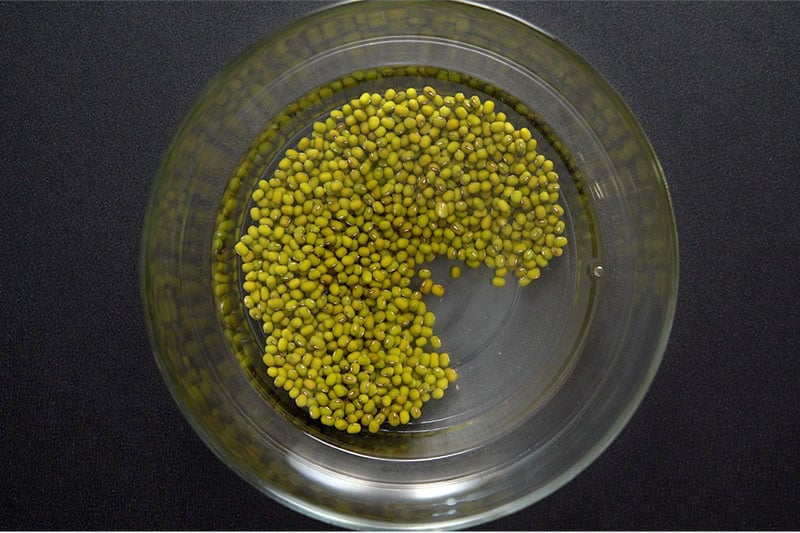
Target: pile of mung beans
<point>333,259</point>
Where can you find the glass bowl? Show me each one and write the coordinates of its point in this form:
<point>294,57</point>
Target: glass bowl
<point>548,374</point>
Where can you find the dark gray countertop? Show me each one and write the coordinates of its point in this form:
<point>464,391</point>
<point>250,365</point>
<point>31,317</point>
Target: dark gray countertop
<point>91,439</point>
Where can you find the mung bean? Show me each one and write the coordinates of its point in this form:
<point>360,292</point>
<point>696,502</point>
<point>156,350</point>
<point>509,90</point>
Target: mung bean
<point>332,258</point>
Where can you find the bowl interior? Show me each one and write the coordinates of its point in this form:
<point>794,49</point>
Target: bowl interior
<point>548,374</point>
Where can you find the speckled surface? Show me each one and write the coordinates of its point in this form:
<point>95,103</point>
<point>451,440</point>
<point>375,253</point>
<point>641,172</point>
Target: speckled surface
<point>91,439</point>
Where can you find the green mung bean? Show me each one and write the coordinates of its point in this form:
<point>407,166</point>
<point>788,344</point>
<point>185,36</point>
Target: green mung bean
<point>340,229</point>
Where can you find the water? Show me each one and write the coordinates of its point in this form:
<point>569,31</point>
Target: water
<point>512,346</point>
